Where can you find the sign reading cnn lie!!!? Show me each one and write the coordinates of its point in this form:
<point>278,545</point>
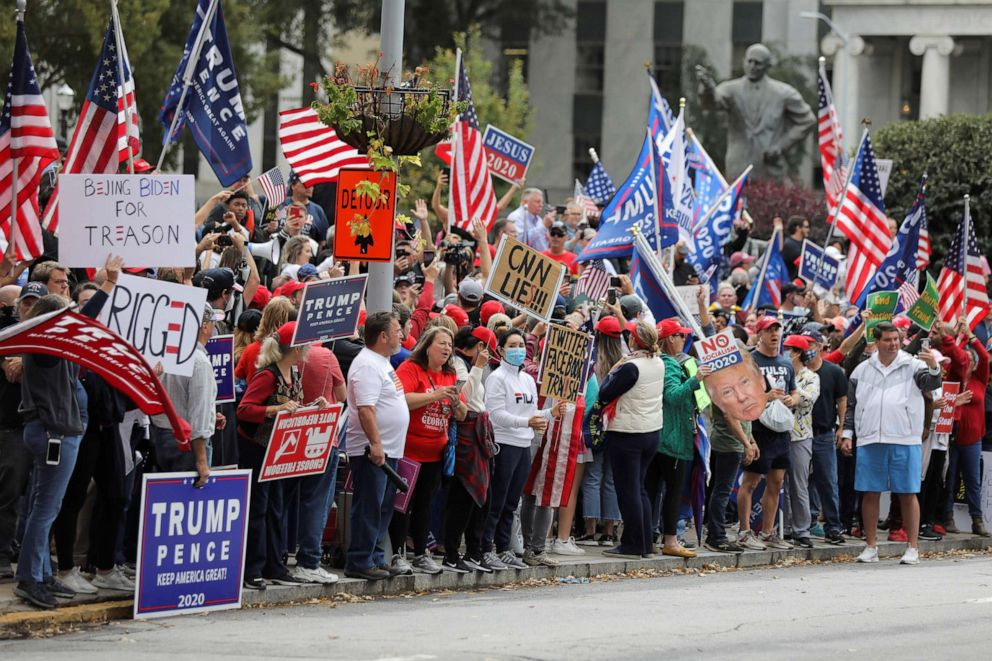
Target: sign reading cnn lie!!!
<point>564,364</point>
<point>719,351</point>
<point>508,157</point>
<point>524,278</point>
<point>301,443</point>
<point>364,223</point>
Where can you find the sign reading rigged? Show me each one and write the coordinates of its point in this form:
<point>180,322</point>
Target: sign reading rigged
<point>524,278</point>
<point>364,223</point>
<point>564,364</point>
<point>191,543</point>
<point>161,319</point>
<point>301,443</point>
<point>145,219</point>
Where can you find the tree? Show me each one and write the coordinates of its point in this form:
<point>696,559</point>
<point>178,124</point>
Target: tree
<point>956,152</point>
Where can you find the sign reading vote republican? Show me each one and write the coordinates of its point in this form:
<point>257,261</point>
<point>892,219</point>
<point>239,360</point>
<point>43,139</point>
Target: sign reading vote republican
<point>817,267</point>
<point>301,443</point>
<point>719,351</point>
<point>161,319</point>
<point>365,222</point>
<point>191,543</point>
<point>148,220</point>
<point>329,309</point>
<point>508,157</point>
<point>564,363</point>
<point>524,278</point>
<point>220,350</point>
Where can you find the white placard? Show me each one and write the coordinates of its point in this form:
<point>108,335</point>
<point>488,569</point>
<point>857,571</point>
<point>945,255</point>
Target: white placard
<point>161,319</point>
<point>147,220</point>
<point>689,294</point>
<point>884,166</point>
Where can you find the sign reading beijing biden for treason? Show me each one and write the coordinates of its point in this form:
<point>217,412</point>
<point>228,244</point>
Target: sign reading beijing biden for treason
<point>147,220</point>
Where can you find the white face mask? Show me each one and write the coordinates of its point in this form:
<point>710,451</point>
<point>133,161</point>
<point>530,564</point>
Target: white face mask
<point>230,302</point>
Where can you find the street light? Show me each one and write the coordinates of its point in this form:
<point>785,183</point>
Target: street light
<point>819,16</point>
<point>65,99</point>
<point>845,39</point>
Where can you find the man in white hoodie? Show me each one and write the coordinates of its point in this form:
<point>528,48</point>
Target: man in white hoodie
<point>885,413</point>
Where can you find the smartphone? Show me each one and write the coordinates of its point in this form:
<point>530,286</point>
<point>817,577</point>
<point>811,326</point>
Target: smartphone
<point>429,257</point>
<point>615,281</point>
<point>295,213</point>
<point>925,343</point>
<point>54,454</point>
<point>560,209</point>
<point>224,240</point>
<point>611,296</point>
<point>460,383</point>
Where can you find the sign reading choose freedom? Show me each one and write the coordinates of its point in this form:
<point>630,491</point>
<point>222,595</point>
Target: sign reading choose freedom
<point>524,278</point>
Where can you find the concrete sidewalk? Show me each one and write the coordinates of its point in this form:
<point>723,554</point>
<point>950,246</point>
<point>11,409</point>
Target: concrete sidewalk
<point>17,619</point>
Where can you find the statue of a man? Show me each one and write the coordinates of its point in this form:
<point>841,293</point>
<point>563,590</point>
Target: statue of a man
<point>766,117</point>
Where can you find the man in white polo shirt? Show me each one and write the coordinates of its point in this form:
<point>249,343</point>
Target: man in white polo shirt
<point>377,426</point>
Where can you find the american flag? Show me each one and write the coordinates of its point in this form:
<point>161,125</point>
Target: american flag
<point>594,282</point>
<point>472,193</point>
<point>961,284</point>
<point>589,208</point>
<point>909,291</point>
<point>27,141</point>
<point>313,149</point>
<point>102,135</point>
<point>923,252</point>
<point>861,218</point>
<point>599,186</point>
<point>830,142</point>
<point>274,187</point>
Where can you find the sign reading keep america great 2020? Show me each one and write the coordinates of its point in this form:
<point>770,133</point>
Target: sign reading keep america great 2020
<point>329,309</point>
<point>191,543</point>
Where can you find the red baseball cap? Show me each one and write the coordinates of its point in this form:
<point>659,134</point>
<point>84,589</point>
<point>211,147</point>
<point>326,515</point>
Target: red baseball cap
<point>797,342</point>
<point>488,309</point>
<point>285,333</point>
<point>487,336</point>
<point>459,316</point>
<point>631,327</point>
<point>262,297</point>
<point>362,315</point>
<point>766,322</point>
<point>609,326</point>
<point>669,327</point>
<point>289,288</point>
<point>141,166</point>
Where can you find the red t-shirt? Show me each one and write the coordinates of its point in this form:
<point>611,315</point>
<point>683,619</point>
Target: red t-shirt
<point>428,431</point>
<point>567,258</point>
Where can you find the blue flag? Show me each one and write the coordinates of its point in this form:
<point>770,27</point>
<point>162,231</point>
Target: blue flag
<point>599,186</point>
<point>212,107</point>
<point>714,227</point>
<point>649,289</point>
<point>767,290</point>
<point>634,204</point>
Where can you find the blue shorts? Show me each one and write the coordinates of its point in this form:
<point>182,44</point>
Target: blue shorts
<point>888,467</point>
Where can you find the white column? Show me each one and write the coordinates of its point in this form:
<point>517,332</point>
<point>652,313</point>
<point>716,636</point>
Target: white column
<point>629,44</point>
<point>935,86</point>
<point>846,83</point>
<point>709,23</point>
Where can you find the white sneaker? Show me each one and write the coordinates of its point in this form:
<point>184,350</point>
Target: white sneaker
<point>114,580</point>
<point>75,581</point>
<point>400,567</point>
<point>318,575</point>
<point>870,554</point>
<point>910,557</point>
<point>567,547</point>
<point>425,565</point>
<point>750,542</point>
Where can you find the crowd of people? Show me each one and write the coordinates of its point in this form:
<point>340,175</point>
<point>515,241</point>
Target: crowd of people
<point>448,378</point>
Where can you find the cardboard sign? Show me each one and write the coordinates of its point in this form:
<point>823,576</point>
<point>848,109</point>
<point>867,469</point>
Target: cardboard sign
<point>883,307</point>
<point>191,543</point>
<point>161,319</point>
<point>945,420</point>
<point>408,470</point>
<point>301,443</point>
<point>329,309</point>
<point>147,220</point>
<point>524,278</point>
<point>719,351</point>
<point>564,364</point>
<point>508,157</point>
<point>688,295</point>
<point>816,267</point>
<point>220,349</point>
<point>364,225</point>
<point>925,311</point>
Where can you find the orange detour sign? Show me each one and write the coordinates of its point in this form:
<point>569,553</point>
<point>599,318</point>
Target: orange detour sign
<point>363,222</point>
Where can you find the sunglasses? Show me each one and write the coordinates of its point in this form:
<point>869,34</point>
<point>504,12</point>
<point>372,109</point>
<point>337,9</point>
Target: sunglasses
<point>558,233</point>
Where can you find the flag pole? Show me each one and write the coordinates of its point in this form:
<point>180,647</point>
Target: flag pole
<point>655,266</point>
<point>840,202</point>
<point>719,200</point>
<point>194,57</point>
<point>21,7</point>
<point>456,141</point>
<point>119,38</point>
<point>964,255</point>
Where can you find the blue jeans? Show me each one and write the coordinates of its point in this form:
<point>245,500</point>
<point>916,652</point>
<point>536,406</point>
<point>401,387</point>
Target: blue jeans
<point>724,467</point>
<point>968,460</point>
<point>371,511</point>
<point>599,495</point>
<point>511,466</point>
<point>47,489</point>
<point>825,480</point>
<point>168,456</point>
<point>316,496</point>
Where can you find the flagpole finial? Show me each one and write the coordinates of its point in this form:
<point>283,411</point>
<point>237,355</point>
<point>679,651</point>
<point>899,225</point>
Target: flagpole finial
<point>22,6</point>
<point>822,60</point>
<point>681,103</point>
<point>593,155</point>
<point>866,122</point>
<point>967,198</point>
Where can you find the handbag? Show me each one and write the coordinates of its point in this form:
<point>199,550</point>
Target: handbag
<point>448,456</point>
<point>777,416</point>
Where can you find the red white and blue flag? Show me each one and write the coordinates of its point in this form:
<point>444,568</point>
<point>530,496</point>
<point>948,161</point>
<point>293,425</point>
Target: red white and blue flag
<point>472,194</point>
<point>594,282</point>
<point>274,187</point>
<point>552,472</point>
<point>961,283</point>
<point>27,141</point>
<point>102,136</point>
<point>830,143</point>
<point>313,149</point>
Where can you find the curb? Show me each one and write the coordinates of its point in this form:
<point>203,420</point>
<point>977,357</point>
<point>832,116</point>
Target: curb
<point>20,624</point>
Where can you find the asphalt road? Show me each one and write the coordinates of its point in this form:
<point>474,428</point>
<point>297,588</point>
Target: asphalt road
<point>939,609</point>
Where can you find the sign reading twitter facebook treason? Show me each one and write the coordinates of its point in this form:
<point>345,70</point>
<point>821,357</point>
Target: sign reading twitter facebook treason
<point>191,543</point>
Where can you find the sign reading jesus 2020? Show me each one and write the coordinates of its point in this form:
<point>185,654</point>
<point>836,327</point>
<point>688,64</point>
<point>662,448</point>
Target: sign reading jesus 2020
<point>147,220</point>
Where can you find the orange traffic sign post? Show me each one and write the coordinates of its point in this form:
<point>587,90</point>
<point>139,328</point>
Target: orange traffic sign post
<point>363,224</point>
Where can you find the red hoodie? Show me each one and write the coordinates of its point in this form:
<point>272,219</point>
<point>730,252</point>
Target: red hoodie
<point>970,417</point>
